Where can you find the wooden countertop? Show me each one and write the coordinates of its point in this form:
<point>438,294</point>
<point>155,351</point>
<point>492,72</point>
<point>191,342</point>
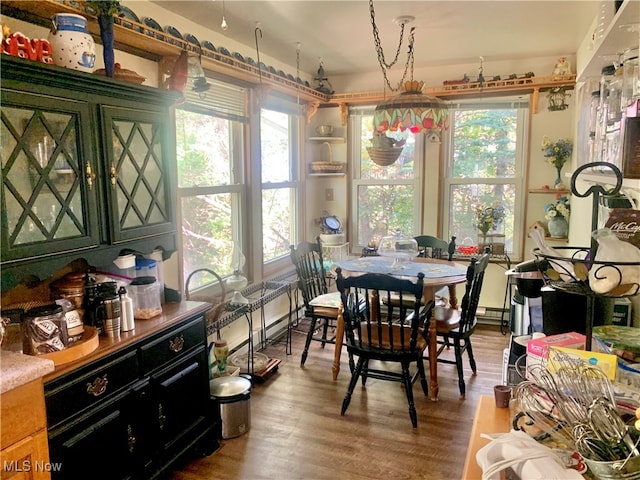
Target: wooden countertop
<point>488,419</point>
<point>17,369</point>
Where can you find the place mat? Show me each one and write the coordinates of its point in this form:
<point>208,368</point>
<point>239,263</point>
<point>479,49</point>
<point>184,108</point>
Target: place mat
<point>407,268</point>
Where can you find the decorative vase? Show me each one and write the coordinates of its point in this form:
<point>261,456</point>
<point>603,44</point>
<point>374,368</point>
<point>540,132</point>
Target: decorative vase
<point>559,176</point>
<point>106,34</point>
<point>558,227</point>
<point>71,44</point>
<point>221,353</point>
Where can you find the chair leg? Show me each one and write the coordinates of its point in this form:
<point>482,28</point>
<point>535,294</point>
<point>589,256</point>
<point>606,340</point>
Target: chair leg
<point>408,387</point>
<point>308,341</point>
<point>352,385</point>
<point>423,376</point>
<point>472,361</point>
<point>458,352</point>
<point>364,373</point>
<point>325,329</point>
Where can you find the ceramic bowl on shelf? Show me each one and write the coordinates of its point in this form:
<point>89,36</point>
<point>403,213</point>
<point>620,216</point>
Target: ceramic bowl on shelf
<point>324,130</point>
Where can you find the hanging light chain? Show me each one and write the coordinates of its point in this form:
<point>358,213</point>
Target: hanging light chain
<point>381,60</point>
<point>376,37</point>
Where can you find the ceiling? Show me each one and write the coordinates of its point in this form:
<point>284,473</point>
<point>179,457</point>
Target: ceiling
<point>447,32</point>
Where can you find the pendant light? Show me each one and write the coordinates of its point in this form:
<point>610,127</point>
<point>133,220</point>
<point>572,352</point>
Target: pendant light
<point>224,25</point>
<point>411,109</point>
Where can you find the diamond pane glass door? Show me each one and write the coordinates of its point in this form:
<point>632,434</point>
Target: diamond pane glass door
<point>139,185</point>
<point>47,179</point>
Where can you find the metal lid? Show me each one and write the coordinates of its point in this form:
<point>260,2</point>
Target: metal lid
<point>229,386</point>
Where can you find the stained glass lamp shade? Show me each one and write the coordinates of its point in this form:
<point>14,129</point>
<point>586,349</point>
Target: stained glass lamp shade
<point>411,110</point>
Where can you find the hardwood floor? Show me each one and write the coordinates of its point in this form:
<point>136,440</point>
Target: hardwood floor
<point>297,431</point>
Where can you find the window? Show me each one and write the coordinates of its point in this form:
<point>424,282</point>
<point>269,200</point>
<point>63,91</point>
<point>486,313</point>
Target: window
<point>278,134</point>
<point>485,152</point>
<point>388,198</point>
<point>211,186</point>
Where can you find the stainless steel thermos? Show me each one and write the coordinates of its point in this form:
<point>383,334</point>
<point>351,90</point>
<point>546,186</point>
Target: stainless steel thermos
<point>127,322</point>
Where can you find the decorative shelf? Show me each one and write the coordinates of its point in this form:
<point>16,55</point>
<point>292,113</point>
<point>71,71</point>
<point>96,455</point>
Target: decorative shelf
<point>327,139</point>
<point>564,191</point>
<point>140,40</point>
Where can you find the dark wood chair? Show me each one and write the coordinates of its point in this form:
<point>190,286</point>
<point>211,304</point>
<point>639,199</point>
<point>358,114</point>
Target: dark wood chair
<point>434,247</point>
<point>378,329</point>
<point>457,326</point>
<point>319,305</point>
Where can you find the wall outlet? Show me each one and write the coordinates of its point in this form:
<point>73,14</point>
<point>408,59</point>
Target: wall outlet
<point>328,194</point>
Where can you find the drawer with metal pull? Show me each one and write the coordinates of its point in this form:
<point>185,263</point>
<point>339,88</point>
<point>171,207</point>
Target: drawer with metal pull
<point>172,345</point>
<point>65,399</point>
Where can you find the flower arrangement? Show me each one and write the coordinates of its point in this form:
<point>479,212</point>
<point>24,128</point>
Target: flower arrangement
<point>489,217</point>
<point>559,209</point>
<point>557,153</point>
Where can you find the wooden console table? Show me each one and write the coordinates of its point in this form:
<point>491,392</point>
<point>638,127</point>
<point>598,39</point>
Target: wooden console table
<point>488,419</point>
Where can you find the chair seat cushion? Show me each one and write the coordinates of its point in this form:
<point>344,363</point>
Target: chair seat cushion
<point>330,300</point>
<point>421,342</point>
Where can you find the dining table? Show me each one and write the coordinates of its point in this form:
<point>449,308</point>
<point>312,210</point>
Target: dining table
<point>437,274</point>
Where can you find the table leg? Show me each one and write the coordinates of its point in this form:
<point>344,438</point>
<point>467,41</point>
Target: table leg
<point>429,294</point>
<point>453,299</point>
<point>338,344</point>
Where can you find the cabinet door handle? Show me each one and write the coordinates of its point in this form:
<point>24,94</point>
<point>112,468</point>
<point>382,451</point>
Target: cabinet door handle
<point>114,175</point>
<point>177,344</point>
<point>131,439</point>
<point>98,387</point>
<point>161,417</point>
<point>90,176</point>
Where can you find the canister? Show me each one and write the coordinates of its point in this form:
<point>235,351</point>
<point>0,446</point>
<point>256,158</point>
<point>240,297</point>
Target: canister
<point>233,395</point>
<point>72,45</point>
<point>44,330</point>
<point>630,77</point>
<point>71,287</point>
<point>146,300</point>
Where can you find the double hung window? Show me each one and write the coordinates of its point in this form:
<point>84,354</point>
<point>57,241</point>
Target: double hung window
<point>485,163</point>
<point>210,139</point>
<point>385,198</point>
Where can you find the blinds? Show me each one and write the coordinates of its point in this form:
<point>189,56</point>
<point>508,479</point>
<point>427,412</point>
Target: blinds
<point>223,100</point>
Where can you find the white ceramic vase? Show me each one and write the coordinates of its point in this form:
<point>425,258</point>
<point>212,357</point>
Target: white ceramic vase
<point>72,45</point>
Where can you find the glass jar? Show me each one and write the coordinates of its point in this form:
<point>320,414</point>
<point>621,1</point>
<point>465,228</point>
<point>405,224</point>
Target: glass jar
<point>44,330</point>
<point>71,287</point>
<point>614,97</point>
<point>630,77</point>
<point>146,298</point>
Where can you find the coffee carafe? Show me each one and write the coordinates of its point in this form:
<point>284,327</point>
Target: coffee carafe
<point>108,313</point>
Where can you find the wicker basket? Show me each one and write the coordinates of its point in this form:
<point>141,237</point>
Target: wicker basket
<point>327,167</point>
<point>217,302</point>
<point>384,156</point>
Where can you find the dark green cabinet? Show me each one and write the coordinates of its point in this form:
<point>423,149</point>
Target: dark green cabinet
<point>85,169</point>
<point>132,414</point>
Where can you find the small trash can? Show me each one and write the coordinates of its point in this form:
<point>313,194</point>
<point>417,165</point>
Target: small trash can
<point>233,395</point>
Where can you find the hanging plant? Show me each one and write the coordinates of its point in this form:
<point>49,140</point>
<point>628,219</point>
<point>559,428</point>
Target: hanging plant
<point>105,11</point>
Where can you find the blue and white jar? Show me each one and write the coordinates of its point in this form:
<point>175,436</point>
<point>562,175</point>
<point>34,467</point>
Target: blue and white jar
<point>72,45</point>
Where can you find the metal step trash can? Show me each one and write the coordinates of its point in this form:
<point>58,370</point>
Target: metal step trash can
<point>233,396</point>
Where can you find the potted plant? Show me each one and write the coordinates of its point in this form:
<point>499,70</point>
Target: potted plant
<point>557,215</point>
<point>489,217</point>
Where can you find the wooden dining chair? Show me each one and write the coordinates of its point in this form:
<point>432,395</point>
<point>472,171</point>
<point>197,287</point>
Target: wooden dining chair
<point>378,329</point>
<point>457,326</point>
<point>434,247</point>
<point>320,305</point>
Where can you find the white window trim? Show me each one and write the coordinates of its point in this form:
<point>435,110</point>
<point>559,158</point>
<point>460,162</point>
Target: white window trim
<point>522,149</point>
